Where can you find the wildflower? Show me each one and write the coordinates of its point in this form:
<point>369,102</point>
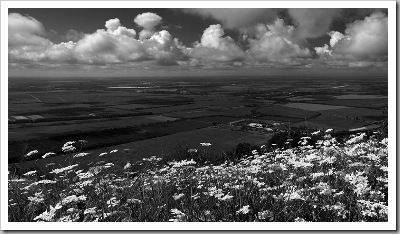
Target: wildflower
<point>79,155</point>
<point>113,151</point>
<point>316,132</point>
<point>31,153</point>
<point>359,182</point>
<point>243,210</point>
<point>38,198</point>
<point>60,170</point>
<point>192,150</point>
<point>178,196</point>
<point>127,166</point>
<point>263,215</point>
<point>108,165</point>
<point>205,144</point>
<point>384,142</point>
<point>182,163</point>
<point>112,202</point>
<point>29,173</point>
<point>48,215</point>
<point>134,201</point>
<point>152,159</point>
<point>86,175</point>
<point>384,168</point>
<point>67,147</point>
<point>46,155</point>
<point>179,216</point>
<point>226,197</point>
<point>356,139</point>
<point>293,196</point>
<point>91,210</point>
<point>254,152</point>
<point>298,219</point>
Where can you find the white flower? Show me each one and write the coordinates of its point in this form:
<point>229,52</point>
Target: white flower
<point>243,210</point>
<point>205,144</point>
<point>178,196</point>
<point>91,210</point>
<point>67,147</point>
<point>316,133</point>
<point>29,173</point>
<point>46,155</point>
<point>226,197</point>
<point>179,216</point>
<point>329,130</point>
<point>59,170</point>
<point>112,202</point>
<point>127,166</point>
<point>80,155</point>
<point>31,153</point>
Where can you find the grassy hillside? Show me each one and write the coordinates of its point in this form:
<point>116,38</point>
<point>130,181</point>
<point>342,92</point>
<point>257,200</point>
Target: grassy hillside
<point>329,181</point>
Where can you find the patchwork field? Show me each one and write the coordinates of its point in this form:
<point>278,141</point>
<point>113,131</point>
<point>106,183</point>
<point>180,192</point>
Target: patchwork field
<point>221,141</point>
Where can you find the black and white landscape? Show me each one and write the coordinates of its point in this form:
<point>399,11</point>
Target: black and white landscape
<point>198,115</point>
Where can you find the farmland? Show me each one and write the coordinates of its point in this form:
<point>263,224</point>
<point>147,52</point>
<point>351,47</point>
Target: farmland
<point>150,113</point>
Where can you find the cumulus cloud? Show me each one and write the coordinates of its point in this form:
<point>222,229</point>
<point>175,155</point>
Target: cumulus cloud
<point>236,18</point>
<point>25,31</point>
<point>148,21</point>
<point>114,45</point>
<point>214,46</point>
<point>364,39</point>
<point>335,37</point>
<point>274,42</point>
<point>112,24</point>
<point>312,23</point>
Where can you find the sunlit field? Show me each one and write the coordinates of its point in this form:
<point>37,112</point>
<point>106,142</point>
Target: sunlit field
<point>329,181</point>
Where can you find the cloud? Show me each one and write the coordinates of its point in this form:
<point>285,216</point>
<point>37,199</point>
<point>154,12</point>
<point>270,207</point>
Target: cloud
<point>213,46</point>
<point>148,21</point>
<point>312,23</point>
<point>72,35</point>
<point>274,42</point>
<point>112,24</point>
<point>25,31</point>
<point>115,45</point>
<point>335,38</point>
<point>236,18</point>
<point>364,39</point>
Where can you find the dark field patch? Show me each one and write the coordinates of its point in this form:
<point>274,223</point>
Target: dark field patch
<point>326,121</point>
<point>366,103</point>
<point>286,112</point>
<point>70,111</point>
<point>217,119</point>
<point>162,101</point>
<point>356,113</point>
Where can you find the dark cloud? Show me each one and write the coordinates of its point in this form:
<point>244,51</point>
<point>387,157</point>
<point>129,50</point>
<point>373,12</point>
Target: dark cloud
<point>312,23</point>
<point>237,18</point>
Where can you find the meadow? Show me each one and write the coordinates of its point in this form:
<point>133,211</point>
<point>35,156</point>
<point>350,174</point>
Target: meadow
<point>329,181</point>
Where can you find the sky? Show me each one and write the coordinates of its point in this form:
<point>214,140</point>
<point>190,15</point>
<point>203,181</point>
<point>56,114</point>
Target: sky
<point>73,42</point>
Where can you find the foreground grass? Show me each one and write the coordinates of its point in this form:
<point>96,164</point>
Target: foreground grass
<point>327,182</point>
